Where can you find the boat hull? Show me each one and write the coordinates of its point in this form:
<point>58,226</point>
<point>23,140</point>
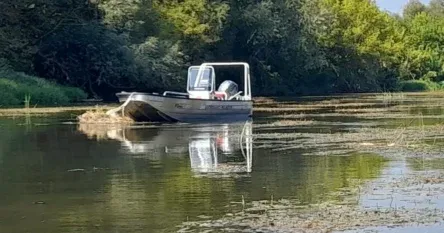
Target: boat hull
<point>156,108</point>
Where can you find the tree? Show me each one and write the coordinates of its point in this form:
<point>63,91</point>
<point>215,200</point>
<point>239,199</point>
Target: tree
<point>137,18</point>
<point>436,8</point>
<point>361,43</point>
<point>25,23</point>
<point>161,65</point>
<point>294,47</point>
<point>88,56</point>
<point>425,46</point>
<point>413,8</point>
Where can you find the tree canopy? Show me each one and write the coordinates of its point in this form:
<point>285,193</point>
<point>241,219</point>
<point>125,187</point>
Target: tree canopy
<point>295,47</point>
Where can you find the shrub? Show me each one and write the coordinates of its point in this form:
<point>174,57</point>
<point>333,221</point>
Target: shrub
<point>415,86</point>
<point>14,86</point>
<point>74,94</point>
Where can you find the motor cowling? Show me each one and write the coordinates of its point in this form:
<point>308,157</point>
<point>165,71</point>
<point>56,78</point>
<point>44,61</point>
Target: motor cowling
<point>229,87</point>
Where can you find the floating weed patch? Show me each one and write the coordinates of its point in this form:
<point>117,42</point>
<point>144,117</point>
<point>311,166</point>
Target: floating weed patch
<point>99,116</point>
<point>370,139</point>
<point>285,122</point>
<point>388,96</point>
<point>345,210</point>
<point>287,216</point>
<point>291,122</point>
<point>286,116</point>
<point>264,100</point>
<point>362,110</point>
<point>34,111</point>
<point>287,109</point>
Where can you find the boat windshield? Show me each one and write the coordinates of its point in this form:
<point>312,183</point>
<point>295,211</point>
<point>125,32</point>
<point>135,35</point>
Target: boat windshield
<point>204,84</point>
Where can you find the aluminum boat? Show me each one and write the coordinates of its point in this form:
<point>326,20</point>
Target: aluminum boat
<point>201,102</point>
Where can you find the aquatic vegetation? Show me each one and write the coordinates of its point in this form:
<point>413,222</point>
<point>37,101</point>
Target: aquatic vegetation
<point>279,122</point>
<point>397,132</point>
<point>362,205</point>
<point>99,116</point>
<point>287,216</point>
<point>313,171</point>
<point>46,111</point>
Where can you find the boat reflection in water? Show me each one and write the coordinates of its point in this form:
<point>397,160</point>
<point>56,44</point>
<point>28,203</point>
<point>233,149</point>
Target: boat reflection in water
<point>212,149</point>
<point>217,154</point>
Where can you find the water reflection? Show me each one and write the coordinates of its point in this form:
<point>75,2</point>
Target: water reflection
<point>151,179</point>
<point>143,179</point>
<point>204,151</point>
<point>212,149</point>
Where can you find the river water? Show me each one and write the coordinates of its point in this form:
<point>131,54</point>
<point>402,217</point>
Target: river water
<point>58,176</point>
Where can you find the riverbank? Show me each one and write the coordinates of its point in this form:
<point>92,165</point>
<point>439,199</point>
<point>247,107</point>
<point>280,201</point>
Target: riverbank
<point>262,105</point>
<point>20,89</point>
<point>44,111</point>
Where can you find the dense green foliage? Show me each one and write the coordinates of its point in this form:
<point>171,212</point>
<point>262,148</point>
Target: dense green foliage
<point>295,47</point>
<point>16,88</point>
<point>415,85</point>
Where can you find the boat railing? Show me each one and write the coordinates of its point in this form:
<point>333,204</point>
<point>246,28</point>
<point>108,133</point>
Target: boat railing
<point>121,107</point>
<point>236,95</point>
<point>247,81</point>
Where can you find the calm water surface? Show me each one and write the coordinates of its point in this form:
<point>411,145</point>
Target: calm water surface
<point>59,177</point>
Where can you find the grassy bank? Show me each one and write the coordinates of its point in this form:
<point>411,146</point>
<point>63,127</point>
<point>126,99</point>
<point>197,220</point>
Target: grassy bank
<point>419,86</point>
<point>10,112</point>
<point>18,89</point>
<point>362,105</point>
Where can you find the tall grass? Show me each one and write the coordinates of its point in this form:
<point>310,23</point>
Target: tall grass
<point>419,85</point>
<point>15,86</point>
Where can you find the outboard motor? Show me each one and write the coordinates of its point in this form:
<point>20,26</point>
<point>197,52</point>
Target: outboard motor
<point>229,88</point>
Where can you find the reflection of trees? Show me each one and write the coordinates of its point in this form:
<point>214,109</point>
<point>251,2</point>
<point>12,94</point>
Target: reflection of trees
<point>34,168</point>
<point>310,178</point>
<point>147,192</point>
